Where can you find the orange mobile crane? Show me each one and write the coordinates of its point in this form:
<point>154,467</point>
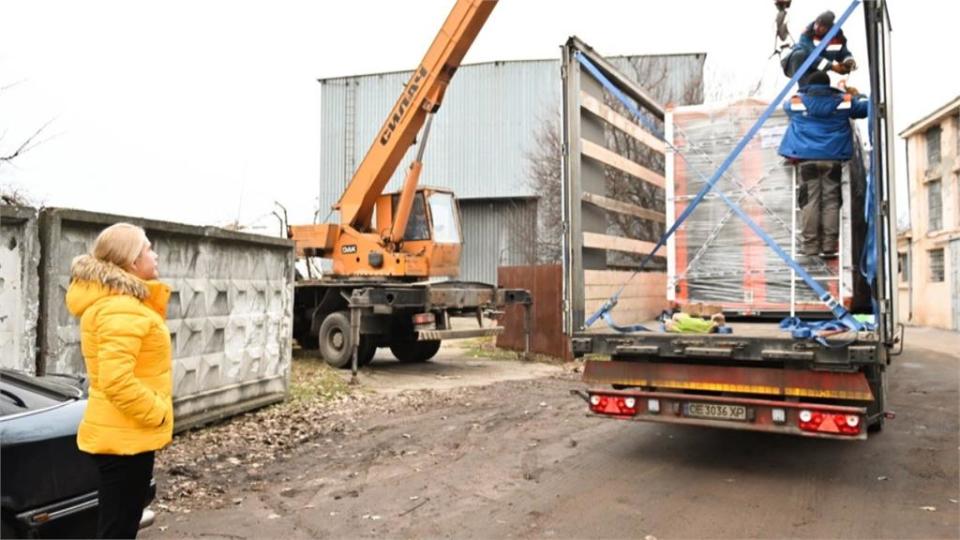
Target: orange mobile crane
<point>386,245</point>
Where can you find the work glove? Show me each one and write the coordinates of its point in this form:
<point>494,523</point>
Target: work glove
<point>842,69</point>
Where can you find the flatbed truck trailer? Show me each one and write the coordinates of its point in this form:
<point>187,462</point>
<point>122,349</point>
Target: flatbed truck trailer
<point>759,377</point>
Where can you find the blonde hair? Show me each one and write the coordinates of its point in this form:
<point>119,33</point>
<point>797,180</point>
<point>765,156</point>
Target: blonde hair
<point>120,244</point>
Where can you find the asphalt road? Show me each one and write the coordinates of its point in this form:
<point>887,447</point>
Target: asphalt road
<point>521,459</point>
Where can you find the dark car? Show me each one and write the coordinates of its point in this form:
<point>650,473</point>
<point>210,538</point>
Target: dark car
<point>48,488</point>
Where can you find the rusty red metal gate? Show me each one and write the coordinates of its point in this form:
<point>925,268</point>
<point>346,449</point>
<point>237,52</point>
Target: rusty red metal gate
<point>546,333</point>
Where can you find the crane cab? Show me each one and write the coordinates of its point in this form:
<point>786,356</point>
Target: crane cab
<point>433,230</point>
<point>430,247</point>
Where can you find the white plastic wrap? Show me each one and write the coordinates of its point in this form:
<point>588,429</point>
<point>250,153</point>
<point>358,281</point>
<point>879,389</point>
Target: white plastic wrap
<point>716,258</point>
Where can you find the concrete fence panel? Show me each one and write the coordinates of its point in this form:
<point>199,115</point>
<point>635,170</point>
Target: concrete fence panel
<point>230,312</point>
<point>19,287</point>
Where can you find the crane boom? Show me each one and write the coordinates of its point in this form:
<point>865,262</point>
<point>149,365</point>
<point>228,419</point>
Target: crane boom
<point>421,95</point>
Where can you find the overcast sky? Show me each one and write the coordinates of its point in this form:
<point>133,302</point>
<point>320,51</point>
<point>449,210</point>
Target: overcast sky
<point>207,111</point>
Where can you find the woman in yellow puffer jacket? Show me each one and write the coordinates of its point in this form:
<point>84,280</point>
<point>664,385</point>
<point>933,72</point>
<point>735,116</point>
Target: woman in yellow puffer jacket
<point>126,348</point>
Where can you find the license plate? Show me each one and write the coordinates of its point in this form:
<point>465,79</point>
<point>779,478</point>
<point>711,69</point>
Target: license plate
<point>715,411</point>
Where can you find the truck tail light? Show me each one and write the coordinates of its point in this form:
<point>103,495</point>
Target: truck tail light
<point>828,422</point>
<point>613,405</point>
<point>424,318</point>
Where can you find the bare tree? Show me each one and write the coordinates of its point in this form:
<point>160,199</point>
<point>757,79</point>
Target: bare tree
<point>544,177</point>
<point>8,155</point>
<point>10,192</point>
<point>28,144</point>
<point>14,195</point>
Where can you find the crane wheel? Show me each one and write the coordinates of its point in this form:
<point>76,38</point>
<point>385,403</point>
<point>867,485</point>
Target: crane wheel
<point>335,345</point>
<point>415,351</point>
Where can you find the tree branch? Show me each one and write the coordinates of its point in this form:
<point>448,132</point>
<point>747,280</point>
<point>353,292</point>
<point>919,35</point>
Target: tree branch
<point>27,144</point>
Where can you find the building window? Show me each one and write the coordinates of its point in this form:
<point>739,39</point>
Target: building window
<point>934,206</point>
<point>903,262</point>
<point>936,265</point>
<point>933,148</point>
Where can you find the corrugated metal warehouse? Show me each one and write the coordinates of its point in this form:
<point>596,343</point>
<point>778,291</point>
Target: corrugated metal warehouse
<point>481,142</point>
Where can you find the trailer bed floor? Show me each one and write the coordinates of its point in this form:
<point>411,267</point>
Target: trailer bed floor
<point>764,329</point>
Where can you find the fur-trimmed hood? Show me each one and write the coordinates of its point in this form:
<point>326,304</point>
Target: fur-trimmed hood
<point>92,279</point>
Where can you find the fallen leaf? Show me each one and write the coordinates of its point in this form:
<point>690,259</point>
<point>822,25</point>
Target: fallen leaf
<point>929,508</point>
<point>881,478</point>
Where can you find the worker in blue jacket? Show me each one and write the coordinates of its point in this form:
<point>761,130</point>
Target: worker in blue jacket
<point>835,57</point>
<point>818,140</point>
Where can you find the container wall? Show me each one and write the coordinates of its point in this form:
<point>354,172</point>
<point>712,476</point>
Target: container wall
<point>613,184</point>
<point>496,232</point>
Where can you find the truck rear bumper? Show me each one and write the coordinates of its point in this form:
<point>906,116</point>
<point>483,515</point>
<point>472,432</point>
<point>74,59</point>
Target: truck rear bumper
<point>757,414</point>
<point>433,335</point>
<point>823,404</point>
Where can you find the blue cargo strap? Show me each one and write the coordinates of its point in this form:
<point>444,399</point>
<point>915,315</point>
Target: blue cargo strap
<point>835,307</point>
<point>868,257</point>
<point>625,329</point>
<point>815,331</point>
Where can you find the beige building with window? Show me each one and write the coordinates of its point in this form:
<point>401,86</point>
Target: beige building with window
<point>929,253</point>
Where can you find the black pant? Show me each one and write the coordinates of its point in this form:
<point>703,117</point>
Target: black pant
<point>792,62</point>
<point>124,486</point>
<point>821,210</point>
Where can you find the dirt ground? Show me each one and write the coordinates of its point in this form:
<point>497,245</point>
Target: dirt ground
<point>474,446</point>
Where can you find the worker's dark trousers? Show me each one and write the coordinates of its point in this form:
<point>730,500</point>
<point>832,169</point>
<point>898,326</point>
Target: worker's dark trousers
<point>821,212</point>
<point>124,485</point>
<point>792,62</point>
